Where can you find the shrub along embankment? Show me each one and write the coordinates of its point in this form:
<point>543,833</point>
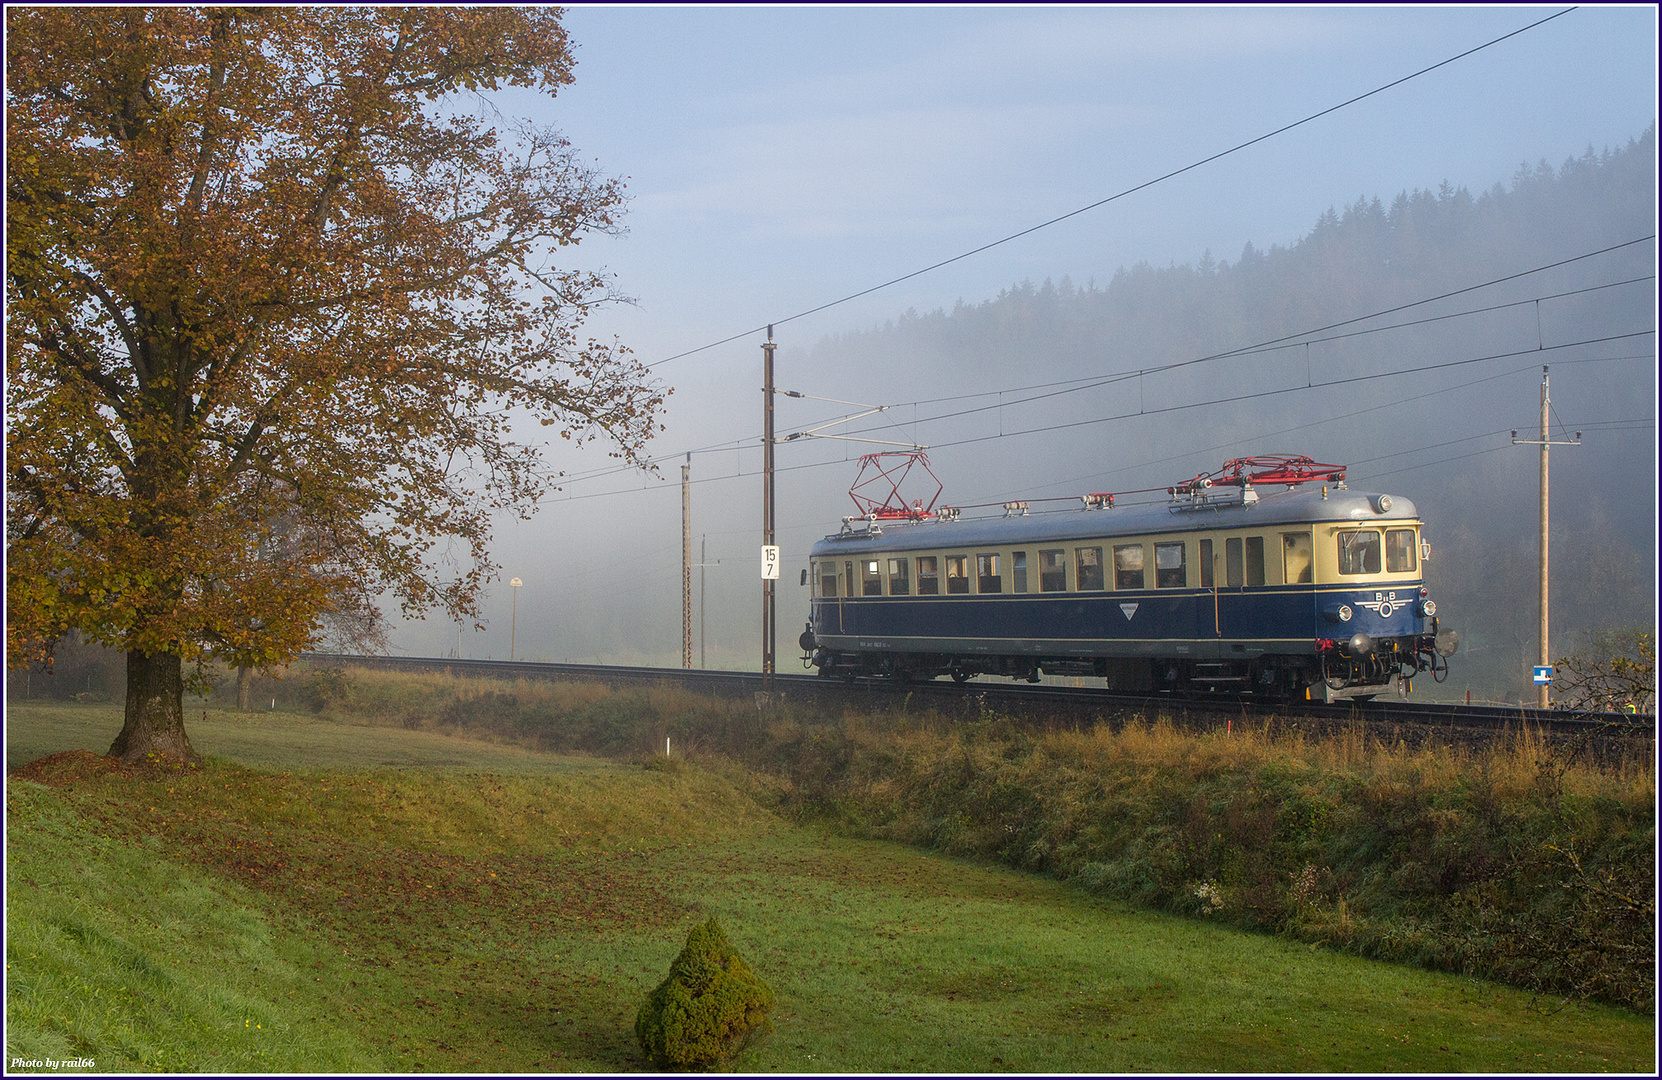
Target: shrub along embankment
<point>1517,862</point>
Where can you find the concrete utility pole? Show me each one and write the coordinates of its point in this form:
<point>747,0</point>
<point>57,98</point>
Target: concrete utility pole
<point>686,563</point>
<point>1545,442</point>
<point>513,627</point>
<point>767,509</point>
<point>703,561</point>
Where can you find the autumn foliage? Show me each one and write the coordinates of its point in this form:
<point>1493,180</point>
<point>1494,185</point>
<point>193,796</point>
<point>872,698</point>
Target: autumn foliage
<point>280,284</point>
<point>1616,673</point>
<point>706,1008</point>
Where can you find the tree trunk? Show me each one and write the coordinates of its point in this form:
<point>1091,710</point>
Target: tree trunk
<point>155,723</point>
<point>244,688</point>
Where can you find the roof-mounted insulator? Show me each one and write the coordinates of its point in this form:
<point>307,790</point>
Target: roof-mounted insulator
<point>1098,500</point>
<point>1015,509</point>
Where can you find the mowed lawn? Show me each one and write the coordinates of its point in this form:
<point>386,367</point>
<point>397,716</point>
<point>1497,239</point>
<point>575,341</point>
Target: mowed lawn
<point>329,897</point>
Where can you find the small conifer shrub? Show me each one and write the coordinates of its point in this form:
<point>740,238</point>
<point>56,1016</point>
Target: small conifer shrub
<point>706,1008</point>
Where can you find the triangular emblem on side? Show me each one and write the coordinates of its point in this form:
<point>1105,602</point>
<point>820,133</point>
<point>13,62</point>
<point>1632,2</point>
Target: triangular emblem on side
<point>1129,609</point>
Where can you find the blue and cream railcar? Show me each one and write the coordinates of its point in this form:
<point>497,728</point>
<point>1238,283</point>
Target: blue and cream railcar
<point>1300,592</point>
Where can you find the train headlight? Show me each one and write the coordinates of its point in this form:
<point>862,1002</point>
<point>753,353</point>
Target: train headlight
<point>1342,613</point>
<point>1428,608</point>
<point>1382,503</point>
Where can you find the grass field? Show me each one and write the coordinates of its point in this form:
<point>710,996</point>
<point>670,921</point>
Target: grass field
<point>328,897</point>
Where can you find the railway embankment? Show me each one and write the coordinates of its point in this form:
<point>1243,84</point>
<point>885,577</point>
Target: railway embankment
<point>1522,860</point>
<point>1511,862</point>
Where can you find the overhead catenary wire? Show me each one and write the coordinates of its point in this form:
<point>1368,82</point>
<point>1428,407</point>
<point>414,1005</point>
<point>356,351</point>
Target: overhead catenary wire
<point>1200,404</point>
<point>1278,391</point>
<point>1394,403</point>
<point>1235,397</point>
<point>1097,382</point>
<point>1112,198</point>
<point>1302,337</point>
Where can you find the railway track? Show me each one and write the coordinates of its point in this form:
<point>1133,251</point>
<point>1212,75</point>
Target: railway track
<point>1411,721</point>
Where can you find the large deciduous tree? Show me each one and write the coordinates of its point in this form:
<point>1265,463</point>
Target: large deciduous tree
<point>279,285</point>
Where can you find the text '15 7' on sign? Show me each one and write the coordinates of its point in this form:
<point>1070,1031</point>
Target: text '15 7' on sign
<point>770,563</point>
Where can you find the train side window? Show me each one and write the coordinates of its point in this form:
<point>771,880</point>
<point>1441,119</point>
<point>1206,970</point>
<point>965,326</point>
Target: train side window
<point>1399,551</point>
<point>1359,552</point>
<point>899,583</point>
<point>1018,571</point>
<point>1297,557</point>
<point>871,577</point>
<point>828,579</point>
<point>1233,563</point>
<point>1208,573</point>
<point>1089,574</point>
<point>1171,570</point>
<point>1128,566</point>
<point>987,578</point>
<point>1255,560</point>
<point>1053,571</point>
<point>957,573</point>
<point>929,580</point>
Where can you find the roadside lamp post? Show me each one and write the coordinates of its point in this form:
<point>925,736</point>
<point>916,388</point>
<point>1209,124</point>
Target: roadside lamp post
<point>513,626</point>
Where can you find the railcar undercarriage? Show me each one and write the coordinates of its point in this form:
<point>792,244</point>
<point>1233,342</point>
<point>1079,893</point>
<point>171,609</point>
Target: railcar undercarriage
<point>1358,668</point>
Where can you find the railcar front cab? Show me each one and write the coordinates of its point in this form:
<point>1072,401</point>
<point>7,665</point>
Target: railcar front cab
<point>1377,624</point>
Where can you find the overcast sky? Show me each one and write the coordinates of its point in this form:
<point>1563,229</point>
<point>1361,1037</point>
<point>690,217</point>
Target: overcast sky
<point>778,159</point>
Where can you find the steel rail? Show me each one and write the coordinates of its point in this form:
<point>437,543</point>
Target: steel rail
<point>1053,702</point>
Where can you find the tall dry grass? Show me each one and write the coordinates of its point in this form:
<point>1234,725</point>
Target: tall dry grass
<point>1522,860</point>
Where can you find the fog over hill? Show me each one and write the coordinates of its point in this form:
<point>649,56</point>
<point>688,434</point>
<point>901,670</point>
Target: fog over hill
<point>1325,347</point>
<point>1060,388</point>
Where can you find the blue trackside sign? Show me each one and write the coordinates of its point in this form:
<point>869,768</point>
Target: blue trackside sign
<point>1543,676</point>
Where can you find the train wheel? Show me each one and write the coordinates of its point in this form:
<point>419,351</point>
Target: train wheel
<point>959,675</point>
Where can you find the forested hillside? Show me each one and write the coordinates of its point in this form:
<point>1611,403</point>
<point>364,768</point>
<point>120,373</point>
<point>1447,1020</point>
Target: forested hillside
<point>1527,290</point>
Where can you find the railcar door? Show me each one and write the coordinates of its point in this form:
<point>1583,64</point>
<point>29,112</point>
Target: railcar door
<point>1298,570</point>
<point>1231,588</point>
<point>1242,620</point>
<point>1208,613</point>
